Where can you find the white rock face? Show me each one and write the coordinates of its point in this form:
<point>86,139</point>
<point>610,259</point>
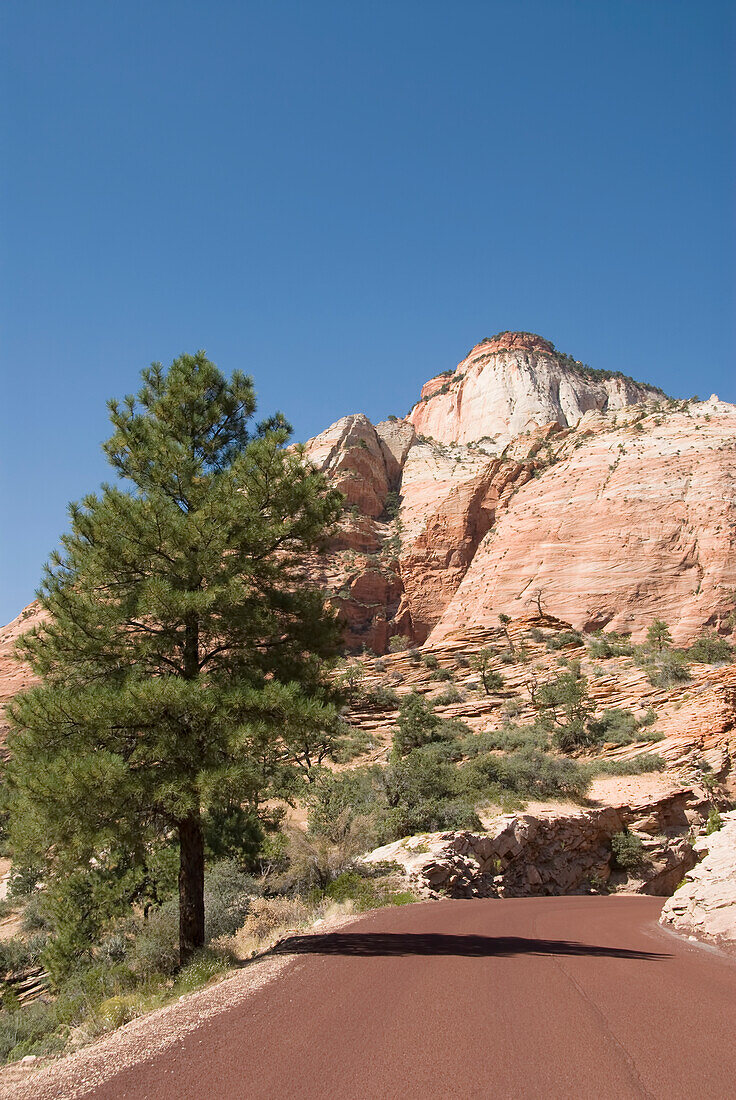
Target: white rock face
<point>706,904</point>
<point>499,393</point>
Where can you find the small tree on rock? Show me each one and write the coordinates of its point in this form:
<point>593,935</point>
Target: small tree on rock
<point>658,635</point>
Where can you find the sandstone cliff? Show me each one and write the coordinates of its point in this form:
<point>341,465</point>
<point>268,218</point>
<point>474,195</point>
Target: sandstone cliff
<point>512,383</point>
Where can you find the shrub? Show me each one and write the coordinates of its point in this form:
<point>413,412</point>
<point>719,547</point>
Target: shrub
<point>715,822</point>
<point>616,724</point>
<point>30,1030</point>
<point>441,674</point>
<point>155,949</point>
<point>669,669</point>
<point>430,661</point>
<point>710,649</point>
<point>627,851</point>
<point>227,896</point>
<point>381,696</point>
<point>610,645</point>
<point>508,739</point>
<point>398,643</point>
<point>528,773</point>
<point>564,638</point>
<point>658,635</point>
<point>267,915</point>
<point>448,696</point>
<point>492,681</point>
<point>638,765</point>
<point>418,725</point>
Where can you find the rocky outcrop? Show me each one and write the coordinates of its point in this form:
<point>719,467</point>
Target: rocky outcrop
<point>536,482</point>
<point>514,383</point>
<point>631,521</point>
<point>524,855</point>
<point>14,676</point>
<point>705,905</point>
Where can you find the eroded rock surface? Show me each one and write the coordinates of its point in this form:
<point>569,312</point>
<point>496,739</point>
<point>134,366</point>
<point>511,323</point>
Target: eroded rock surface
<point>705,905</point>
<point>526,855</point>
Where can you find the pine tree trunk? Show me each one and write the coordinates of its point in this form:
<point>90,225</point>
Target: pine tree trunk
<point>191,887</point>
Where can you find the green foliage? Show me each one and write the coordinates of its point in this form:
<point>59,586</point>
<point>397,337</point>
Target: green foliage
<point>481,663</point>
<point>450,695</point>
<point>180,658</point>
<point>336,801</point>
<point>365,892</point>
<point>380,696</point>
<point>627,851</point>
<point>669,668</point>
<point>710,649</point>
<point>30,1030</point>
<point>430,661</point>
<point>440,674</point>
<point>418,725</point>
<point>424,793</point>
<point>658,635</point>
<point>228,891</point>
<point>714,823</point>
<point>506,739</point>
<point>398,643</point>
<point>527,773</point>
<point>564,638</point>
<point>638,765</point>
<point>610,644</point>
<point>565,709</point>
<point>619,726</point>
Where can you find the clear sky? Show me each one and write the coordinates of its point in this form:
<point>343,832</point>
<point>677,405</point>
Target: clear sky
<point>341,198</point>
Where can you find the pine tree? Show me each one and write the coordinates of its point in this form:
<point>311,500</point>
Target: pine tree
<point>658,635</point>
<point>181,663</point>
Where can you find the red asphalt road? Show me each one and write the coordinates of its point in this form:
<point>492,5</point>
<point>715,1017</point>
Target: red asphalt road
<point>537,997</point>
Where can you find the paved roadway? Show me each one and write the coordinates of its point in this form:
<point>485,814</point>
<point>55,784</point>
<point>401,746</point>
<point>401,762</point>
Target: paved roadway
<point>533,998</point>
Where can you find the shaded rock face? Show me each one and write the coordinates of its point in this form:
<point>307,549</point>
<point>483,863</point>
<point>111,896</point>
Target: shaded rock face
<point>513,384</point>
<point>705,905</point>
<point>527,856</point>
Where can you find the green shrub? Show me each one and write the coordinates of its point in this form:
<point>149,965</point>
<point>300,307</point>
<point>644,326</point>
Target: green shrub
<point>30,1030</point>
<point>564,638</point>
<point>715,822</point>
<point>610,645</point>
<point>627,851</point>
<point>398,643</point>
<point>430,661</point>
<point>638,765</point>
<point>155,949</point>
<point>669,669</point>
<point>507,739</point>
<point>527,773</point>
<point>381,696</point>
<point>710,649</point>
<point>418,725</point>
<point>448,696</point>
<point>441,674</point>
<point>227,896</point>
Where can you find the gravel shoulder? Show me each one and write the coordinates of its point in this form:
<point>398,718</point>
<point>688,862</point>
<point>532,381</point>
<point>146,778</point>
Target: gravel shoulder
<point>143,1038</point>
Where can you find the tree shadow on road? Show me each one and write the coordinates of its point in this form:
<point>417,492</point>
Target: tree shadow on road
<point>417,943</point>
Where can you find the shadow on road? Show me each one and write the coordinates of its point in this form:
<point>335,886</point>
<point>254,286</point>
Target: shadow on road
<point>414,943</point>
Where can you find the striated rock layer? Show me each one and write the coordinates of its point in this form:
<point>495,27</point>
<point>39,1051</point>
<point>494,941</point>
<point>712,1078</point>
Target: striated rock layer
<point>512,383</point>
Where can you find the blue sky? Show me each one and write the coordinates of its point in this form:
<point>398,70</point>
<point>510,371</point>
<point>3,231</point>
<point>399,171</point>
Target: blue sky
<point>341,199</point>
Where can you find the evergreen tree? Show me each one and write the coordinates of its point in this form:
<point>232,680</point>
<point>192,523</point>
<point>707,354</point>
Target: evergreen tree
<point>181,660</point>
<point>659,636</point>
